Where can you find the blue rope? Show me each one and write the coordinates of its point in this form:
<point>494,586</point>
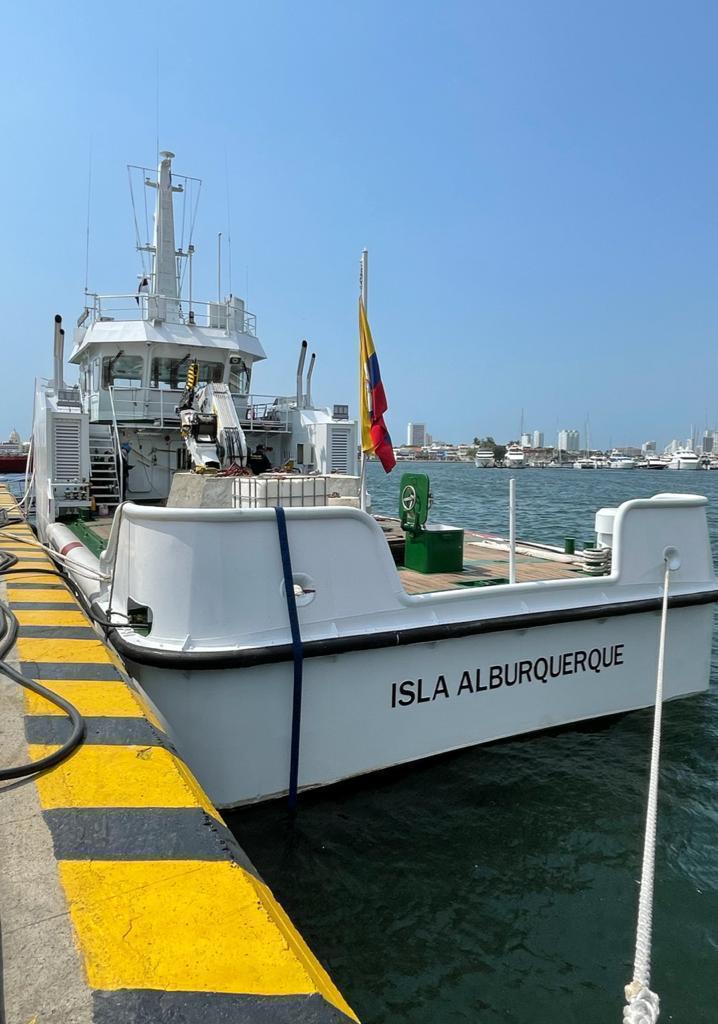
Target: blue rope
<point>297,654</point>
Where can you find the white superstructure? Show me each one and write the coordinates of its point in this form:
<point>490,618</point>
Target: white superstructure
<point>133,352</point>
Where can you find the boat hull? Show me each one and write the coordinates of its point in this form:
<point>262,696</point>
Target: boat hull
<point>371,709</point>
<point>13,463</point>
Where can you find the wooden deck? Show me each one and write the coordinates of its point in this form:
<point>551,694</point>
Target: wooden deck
<point>485,558</point>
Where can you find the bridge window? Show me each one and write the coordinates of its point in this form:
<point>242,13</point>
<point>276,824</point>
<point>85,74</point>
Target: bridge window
<point>210,373</point>
<point>239,375</point>
<point>171,374</point>
<point>122,371</point>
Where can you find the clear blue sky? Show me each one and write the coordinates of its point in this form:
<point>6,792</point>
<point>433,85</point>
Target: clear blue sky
<point>536,183</point>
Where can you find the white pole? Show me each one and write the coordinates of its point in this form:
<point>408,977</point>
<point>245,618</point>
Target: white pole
<point>363,283</point>
<point>219,268</point>
<point>512,530</point>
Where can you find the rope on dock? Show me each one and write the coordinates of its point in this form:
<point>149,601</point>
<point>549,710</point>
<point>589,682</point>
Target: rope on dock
<point>643,1005</point>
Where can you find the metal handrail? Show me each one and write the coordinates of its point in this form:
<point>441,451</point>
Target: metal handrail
<point>135,306</point>
<point>118,450</point>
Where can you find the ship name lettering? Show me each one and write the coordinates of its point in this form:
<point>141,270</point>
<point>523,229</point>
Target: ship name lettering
<point>508,674</point>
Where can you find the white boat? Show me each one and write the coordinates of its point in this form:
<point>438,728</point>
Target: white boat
<point>277,645</point>
<point>584,464</point>
<point>484,458</point>
<point>617,460</point>
<point>684,458</point>
<point>515,457</point>
<point>656,462</point>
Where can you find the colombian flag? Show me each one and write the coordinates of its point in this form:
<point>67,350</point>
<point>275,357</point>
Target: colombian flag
<point>372,400</point>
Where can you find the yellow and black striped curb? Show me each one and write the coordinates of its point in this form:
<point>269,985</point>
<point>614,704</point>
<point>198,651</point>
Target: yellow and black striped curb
<point>170,919</point>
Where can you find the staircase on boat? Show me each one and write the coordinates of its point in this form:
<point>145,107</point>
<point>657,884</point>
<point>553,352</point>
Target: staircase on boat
<point>104,480</point>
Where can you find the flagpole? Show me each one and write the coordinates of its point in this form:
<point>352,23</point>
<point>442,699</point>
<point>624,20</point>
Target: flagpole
<point>363,283</point>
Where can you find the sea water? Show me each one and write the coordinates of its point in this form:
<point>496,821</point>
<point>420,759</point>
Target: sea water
<point>500,883</point>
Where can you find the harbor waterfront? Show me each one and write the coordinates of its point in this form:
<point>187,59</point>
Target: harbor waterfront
<point>500,883</point>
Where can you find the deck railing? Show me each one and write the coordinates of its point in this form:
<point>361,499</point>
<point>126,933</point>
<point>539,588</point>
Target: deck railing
<point>260,413</point>
<point>142,306</point>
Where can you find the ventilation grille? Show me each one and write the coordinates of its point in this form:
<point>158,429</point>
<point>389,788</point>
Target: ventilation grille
<point>67,451</point>
<point>339,450</point>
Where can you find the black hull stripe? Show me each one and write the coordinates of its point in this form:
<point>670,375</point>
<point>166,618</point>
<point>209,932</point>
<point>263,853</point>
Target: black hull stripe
<point>399,637</point>
<point>140,1006</point>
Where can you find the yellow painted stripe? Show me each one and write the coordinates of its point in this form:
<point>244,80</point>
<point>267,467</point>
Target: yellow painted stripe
<point>70,651</point>
<point>41,594</point>
<point>185,926</point>
<point>93,699</point>
<point>106,776</point>
<point>51,617</point>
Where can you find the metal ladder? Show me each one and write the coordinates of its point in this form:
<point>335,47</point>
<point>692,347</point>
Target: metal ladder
<point>104,481</point>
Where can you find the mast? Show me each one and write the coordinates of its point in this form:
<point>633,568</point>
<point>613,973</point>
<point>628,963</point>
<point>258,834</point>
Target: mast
<point>363,295</point>
<point>164,258</point>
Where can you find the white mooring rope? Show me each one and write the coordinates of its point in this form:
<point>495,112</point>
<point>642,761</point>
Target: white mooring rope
<point>642,1005</point>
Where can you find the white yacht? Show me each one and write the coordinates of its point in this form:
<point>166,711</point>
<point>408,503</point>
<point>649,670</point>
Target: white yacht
<point>617,460</point>
<point>484,458</point>
<point>515,457</point>
<point>684,458</point>
<point>656,462</point>
<point>263,617</point>
<point>584,464</point>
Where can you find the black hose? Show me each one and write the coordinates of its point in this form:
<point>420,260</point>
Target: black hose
<point>8,635</point>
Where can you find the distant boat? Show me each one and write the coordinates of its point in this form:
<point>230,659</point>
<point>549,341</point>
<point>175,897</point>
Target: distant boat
<point>484,458</point>
<point>656,462</point>
<point>684,458</point>
<point>619,461</point>
<point>584,464</point>
<point>13,454</point>
<point>514,458</point>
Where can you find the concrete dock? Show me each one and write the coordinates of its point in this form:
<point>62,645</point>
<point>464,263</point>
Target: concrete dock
<point>123,896</point>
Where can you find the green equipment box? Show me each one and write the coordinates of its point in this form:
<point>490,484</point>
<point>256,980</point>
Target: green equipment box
<point>426,548</point>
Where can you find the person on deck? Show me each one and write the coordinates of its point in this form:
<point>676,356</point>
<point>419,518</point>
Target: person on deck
<point>258,461</point>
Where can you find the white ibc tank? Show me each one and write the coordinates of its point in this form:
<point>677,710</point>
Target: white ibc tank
<point>604,527</point>
<point>291,490</point>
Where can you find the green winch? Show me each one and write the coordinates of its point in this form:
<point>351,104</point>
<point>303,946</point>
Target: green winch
<point>426,548</point>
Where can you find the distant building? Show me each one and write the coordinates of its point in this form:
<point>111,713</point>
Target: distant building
<point>538,439</point>
<point>648,447</point>
<point>416,435</point>
<point>569,441</point>
<point>525,440</point>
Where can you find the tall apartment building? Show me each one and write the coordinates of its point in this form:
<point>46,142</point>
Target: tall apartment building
<point>569,441</point>
<point>416,435</point>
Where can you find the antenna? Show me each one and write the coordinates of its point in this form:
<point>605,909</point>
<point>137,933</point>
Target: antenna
<point>157,105</point>
<point>219,267</point>
<point>87,228</point>
<point>229,222</point>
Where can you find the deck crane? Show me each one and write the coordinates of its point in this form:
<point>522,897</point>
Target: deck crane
<point>210,426</point>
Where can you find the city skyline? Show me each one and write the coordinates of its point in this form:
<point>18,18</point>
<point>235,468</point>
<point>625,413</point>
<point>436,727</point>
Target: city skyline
<point>567,439</point>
